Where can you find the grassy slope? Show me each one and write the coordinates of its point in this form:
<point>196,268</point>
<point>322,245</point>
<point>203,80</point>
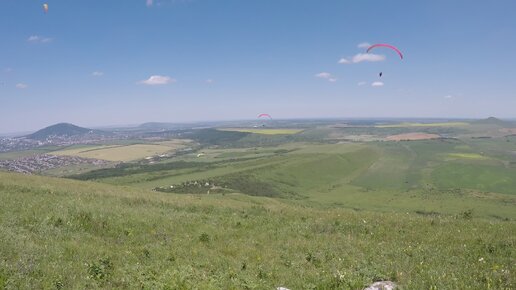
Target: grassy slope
<point>70,234</point>
<point>401,176</point>
<point>265,131</point>
<point>389,171</point>
<point>484,178</point>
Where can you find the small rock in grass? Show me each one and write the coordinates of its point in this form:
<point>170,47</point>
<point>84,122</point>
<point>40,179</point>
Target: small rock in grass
<point>382,285</point>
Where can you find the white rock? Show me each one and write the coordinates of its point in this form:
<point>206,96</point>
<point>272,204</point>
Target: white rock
<point>382,285</point>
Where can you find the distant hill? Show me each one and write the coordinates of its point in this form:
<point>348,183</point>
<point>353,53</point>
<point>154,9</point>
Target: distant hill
<point>157,126</point>
<point>63,130</point>
<point>493,121</point>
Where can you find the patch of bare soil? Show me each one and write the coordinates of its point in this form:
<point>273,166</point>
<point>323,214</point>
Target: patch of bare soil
<point>508,130</point>
<point>412,137</point>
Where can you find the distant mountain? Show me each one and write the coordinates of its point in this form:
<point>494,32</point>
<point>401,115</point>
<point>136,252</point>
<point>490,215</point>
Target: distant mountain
<point>493,121</point>
<point>63,130</point>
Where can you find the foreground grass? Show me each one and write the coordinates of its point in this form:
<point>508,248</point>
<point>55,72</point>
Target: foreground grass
<point>57,233</point>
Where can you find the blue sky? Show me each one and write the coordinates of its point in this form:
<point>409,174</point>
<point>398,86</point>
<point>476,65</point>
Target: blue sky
<point>92,62</point>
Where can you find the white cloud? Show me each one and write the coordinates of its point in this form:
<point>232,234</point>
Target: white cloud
<point>377,84</point>
<point>448,97</point>
<point>364,45</point>
<point>323,75</point>
<point>158,80</point>
<point>361,57</point>
<point>367,57</point>
<point>97,73</point>
<point>21,86</point>
<point>38,39</point>
<point>361,83</point>
<point>210,81</point>
<point>8,70</point>
<point>344,61</point>
<point>326,76</point>
<point>149,3</point>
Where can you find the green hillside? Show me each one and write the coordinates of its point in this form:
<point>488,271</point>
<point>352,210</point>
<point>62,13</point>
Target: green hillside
<point>63,129</point>
<point>437,176</point>
<point>492,121</point>
<point>57,233</point>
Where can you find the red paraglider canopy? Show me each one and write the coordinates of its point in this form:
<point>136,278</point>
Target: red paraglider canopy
<point>388,46</point>
<point>265,115</point>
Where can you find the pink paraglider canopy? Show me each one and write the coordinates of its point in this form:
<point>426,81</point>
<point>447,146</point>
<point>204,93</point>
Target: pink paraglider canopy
<point>265,115</point>
<point>388,46</point>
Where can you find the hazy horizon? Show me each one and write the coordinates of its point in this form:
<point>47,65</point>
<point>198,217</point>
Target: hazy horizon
<point>195,122</point>
<point>119,63</point>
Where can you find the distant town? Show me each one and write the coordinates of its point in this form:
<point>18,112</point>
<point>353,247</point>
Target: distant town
<point>24,143</point>
<point>40,162</point>
<point>65,135</point>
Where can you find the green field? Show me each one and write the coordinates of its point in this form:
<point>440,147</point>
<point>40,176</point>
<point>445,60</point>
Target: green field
<point>404,176</point>
<point>438,124</point>
<point>263,131</point>
<point>467,156</point>
<point>71,169</point>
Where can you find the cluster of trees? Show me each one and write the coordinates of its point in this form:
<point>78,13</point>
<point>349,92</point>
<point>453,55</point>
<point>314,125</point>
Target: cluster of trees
<point>243,183</point>
<point>195,187</point>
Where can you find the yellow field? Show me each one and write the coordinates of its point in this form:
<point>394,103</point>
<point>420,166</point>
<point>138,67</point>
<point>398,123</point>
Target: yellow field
<point>468,156</point>
<point>444,124</point>
<point>174,144</point>
<point>118,153</point>
<point>264,131</point>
